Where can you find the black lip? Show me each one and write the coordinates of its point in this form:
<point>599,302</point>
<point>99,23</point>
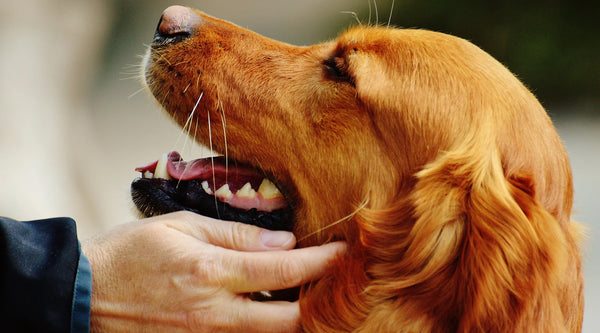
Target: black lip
<point>160,196</point>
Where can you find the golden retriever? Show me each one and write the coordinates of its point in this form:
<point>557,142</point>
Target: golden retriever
<point>439,168</point>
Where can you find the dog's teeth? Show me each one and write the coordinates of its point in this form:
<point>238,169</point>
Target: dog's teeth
<point>206,187</point>
<point>268,190</point>
<point>224,192</point>
<point>246,192</point>
<point>161,167</point>
<point>148,174</point>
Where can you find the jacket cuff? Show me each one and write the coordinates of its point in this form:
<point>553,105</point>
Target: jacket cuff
<point>82,296</point>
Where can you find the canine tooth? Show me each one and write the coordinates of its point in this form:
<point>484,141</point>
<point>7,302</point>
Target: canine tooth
<point>206,187</point>
<point>246,191</point>
<point>224,192</point>
<point>148,174</point>
<point>161,167</point>
<point>268,190</point>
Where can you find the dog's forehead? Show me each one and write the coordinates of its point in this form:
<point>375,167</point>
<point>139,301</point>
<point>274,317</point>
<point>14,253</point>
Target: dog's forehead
<point>395,41</point>
<point>365,39</point>
<point>373,38</point>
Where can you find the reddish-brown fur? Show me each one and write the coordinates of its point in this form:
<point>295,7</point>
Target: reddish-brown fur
<point>463,188</point>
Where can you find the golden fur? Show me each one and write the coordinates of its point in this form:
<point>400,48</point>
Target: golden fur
<point>460,185</point>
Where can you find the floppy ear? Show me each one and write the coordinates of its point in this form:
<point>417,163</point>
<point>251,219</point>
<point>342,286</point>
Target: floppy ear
<point>482,251</point>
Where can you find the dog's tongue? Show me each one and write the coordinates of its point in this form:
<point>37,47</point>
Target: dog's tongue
<point>202,168</point>
<point>238,185</point>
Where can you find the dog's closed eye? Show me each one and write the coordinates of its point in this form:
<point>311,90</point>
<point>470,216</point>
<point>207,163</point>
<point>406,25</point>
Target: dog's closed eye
<point>336,69</point>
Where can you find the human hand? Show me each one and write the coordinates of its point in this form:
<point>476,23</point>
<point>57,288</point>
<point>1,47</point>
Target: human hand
<point>186,272</point>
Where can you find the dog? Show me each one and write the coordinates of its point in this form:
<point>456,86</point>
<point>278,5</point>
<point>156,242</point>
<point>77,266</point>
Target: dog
<point>440,169</point>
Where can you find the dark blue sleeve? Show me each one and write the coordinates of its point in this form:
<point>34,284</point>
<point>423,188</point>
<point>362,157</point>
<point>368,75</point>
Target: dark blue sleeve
<point>82,296</point>
<point>40,263</point>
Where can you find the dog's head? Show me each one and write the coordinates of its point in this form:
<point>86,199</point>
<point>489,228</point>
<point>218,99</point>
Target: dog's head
<point>423,152</point>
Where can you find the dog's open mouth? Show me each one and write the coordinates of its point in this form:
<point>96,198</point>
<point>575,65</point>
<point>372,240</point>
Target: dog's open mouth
<point>212,187</point>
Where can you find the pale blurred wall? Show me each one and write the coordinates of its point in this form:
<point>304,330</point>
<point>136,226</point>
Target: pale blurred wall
<point>73,128</point>
<point>581,135</point>
<point>49,51</point>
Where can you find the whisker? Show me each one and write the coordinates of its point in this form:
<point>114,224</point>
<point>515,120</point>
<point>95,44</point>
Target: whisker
<point>376,12</point>
<point>369,2</point>
<point>188,121</point>
<point>162,57</point>
<point>136,92</point>
<point>195,134</point>
<point>186,88</point>
<point>130,77</point>
<point>354,15</point>
<point>136,66</point>
<point>130,74</point>
<point>212,161</point>
<point>224,122</point>
<point>184,62</point>
<point>391,12</point>
<point>186,129</point>
<point>343,219</point>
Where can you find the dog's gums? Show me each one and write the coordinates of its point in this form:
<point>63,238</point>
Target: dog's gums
<point>242,193</point>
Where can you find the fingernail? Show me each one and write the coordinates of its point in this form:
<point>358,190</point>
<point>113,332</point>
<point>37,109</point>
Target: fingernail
<point>276,238</point>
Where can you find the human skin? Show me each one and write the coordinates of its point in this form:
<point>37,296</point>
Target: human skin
<point>185,272</point>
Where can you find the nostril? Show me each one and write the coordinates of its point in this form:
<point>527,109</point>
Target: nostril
<point>175,25</point>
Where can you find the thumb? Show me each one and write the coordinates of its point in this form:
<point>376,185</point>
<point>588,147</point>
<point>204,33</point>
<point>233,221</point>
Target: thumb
<point>231,235</point>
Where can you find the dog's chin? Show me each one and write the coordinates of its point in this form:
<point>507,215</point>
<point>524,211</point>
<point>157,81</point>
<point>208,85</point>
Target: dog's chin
<point>212,187</point>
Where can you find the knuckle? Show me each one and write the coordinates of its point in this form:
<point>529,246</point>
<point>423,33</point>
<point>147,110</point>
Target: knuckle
<point>151,232</point>
<point>240,234</point>
<point>207,270</point>
<point>196,321</point>
<point>215,318</point>
<point>213,275</point>
<point>204,320</point>
<point>183,215</point>
<point>291,272</point>
<point>235,235</point>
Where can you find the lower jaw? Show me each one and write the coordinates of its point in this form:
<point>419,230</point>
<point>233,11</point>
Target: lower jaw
<point>156,196</point>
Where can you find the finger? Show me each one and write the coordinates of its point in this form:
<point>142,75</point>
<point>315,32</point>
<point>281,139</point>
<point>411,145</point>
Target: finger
<point>231,235</point>
<point>244,315</point>
<point>270,317</point>
<point>251,272</point>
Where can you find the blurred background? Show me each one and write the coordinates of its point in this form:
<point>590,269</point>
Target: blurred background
<point>75,122</point>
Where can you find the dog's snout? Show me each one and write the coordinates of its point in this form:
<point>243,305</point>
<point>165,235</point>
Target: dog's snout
<point>177,23</point>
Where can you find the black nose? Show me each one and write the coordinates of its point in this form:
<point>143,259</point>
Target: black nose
<point>176,24</point>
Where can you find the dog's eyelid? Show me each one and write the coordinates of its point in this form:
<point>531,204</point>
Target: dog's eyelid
<point>333,62</point>
<point>337,69</point>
